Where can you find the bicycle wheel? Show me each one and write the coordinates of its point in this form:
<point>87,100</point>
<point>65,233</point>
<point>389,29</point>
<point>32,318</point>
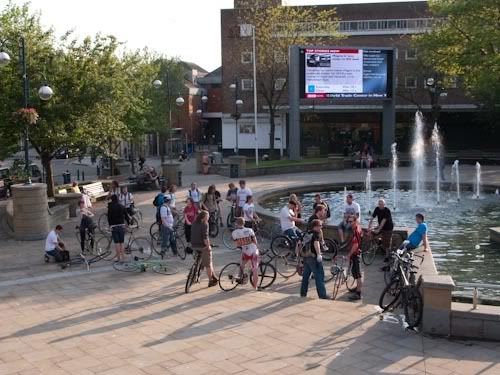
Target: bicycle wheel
<point>141,248</point>
<point>389,273</point>
<point>103,224</point>
<point>193,274</point>
<point>327,266</point>
<point>281,245</point>
<point>267,275</point>
<point>229,277</point>
<point>227,238</point>
<point>230,218</point>
<point>156,242</point>
<point>390,295</point>
<point>276,231</point>
<point>213,228</point>
<point>330,250</point>
<point>286,265</point>
<point>154,228</point>
<point>181,248</point>
<point>337,280</point>
<point>127,266</point>
<point>165,269</point>
<point>179,227</point>
<point>413,307</point>
<point>368,255</point>
<point>103,248</point>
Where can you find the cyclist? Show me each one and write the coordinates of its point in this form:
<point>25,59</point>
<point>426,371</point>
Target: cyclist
<point>317,201</point>
<point>232,192</point>
<point>117,216</point>
<point>242,194</point>
<point>385,226</point>
<point>354,256</point>
<point>194,194</point>
<point>167,227</point>
<point>171,195</point>
<point>86,225</point>
<point>190,213</point>
<point>244,237</point>
<point>419,235</point>
<point>298,205</point>
<point>313,262</point>
<point>209,201</point>
<point>127,200</point>
<point>201,243</point>
<point>351,208</point>
<point>249,214</point>
<point>288,219</point>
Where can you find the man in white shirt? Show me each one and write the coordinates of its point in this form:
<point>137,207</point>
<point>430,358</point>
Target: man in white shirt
<point>249,213</point>
<point>54,247</point>
<point>167,228</point>
<point>351,208</point>
<point>245,238</point>
<point>287,222</point>
<point>194,194</point>
<point>126,199</point>
<point>242,194</point>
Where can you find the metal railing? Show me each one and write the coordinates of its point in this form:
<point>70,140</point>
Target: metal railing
<point>475,287</point>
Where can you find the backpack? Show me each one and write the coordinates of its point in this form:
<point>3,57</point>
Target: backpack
<point>306,250</point>
<point>156,201</point>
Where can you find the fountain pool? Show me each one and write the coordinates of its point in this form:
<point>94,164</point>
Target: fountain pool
<point>455,227</point>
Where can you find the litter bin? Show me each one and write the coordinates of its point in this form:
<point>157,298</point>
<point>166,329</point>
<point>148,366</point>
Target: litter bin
<point>179,178</point>
<point>234,171</point>
<point>66,177</point>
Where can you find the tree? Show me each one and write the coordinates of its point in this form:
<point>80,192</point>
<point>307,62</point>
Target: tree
<point>276,28</point>
<point>465,43</point>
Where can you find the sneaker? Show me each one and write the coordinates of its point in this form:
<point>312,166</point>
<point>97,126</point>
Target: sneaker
<point>356,296</point>
<point>213,282</point>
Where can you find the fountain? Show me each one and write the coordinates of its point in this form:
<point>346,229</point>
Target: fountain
<point>394,167</point>
<point>455,175</point>
<point>418,157</point>
<point>436,144</point>
<point>477,187</point>
<point>368,188</point>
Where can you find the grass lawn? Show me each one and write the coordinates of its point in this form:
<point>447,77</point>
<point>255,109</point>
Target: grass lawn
<point>284,162</point>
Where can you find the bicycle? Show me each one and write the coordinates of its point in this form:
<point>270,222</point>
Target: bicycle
<point>178,226</point>
<point>194,273</point>
<point>156,239</point>
<point>213,224</point>
<point>342,276</point>
<point>232,275</point>
<point>133,245</point>
<point>90,246</point>
<point>140,265</point>
<point>403,291</point>
<point>371,244</point>
<point>231,216</point>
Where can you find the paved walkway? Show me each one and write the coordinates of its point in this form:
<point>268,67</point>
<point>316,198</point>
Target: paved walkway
<point>107,322</point>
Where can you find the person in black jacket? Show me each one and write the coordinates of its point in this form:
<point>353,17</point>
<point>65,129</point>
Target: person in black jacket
<point>117,216</point>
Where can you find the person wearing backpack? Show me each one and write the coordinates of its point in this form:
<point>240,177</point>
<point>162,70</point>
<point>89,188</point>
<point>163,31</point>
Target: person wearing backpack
<point>313,262</point>
<point>158,202</point>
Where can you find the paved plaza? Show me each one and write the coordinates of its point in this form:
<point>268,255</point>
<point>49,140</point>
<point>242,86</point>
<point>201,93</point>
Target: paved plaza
<point>108,322</point>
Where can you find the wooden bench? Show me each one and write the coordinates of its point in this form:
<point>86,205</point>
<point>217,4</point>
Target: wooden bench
<point>95,191</point>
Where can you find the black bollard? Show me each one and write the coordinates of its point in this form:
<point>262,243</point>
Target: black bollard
<point>83,175</point>
<point>78,174</point>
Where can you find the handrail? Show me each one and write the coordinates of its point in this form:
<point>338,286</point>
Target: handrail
<point>476,286</point>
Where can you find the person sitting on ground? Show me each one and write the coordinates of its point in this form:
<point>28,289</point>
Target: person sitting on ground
<point>249,215</point>
<point>194,194</point>
<point>351,208</point>
<point>201,243</point>
<point>317,200</point>
<point>418,236</point>
<point>126,199</point>
<point>242,194</point>
<point>87,225</point>
<point>385,226</point>
<point>313,262</point>
<point>354,255</point>
<point>75,188</point>
<point>167,227</point>
<point>54,247</point>
<point>244,237</point>
<point>117,217</point>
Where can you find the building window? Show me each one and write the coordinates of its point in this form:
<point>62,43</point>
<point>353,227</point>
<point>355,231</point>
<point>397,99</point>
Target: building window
<point>411,54</point>
<point>245,30</point>
<point>410,82</point>
<point>246,57</point>
<point>247,84</point>
<point>279,83</point>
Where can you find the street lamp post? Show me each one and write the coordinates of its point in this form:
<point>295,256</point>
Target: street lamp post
<point>435,90</point>
<point>236,115</point>
<point>199,113</point>
<point>44,93</point>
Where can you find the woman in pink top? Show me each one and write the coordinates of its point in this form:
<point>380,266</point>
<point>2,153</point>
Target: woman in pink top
<point>190,213</point>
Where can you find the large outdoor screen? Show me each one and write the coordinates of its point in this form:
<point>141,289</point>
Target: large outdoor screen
<point>349,73</point>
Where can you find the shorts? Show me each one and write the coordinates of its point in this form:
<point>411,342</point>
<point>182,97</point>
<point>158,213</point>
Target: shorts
<point>254,258</point>
<point>344,226</point>
<point>293,233</point>
<point>206,256</point>
<point>355,267</point>
<point>118,234</point>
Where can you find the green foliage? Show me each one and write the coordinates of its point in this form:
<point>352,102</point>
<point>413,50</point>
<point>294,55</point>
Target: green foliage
<point>465,43</point>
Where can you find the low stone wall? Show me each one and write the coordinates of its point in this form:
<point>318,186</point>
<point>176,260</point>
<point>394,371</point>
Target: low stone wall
<point>482,323</point>
<point>330,165</point>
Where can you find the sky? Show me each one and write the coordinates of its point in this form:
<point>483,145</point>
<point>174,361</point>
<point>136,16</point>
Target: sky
<point>187,29</point>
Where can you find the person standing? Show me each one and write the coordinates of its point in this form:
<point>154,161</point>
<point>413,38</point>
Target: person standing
<point>351,208</point>
<point>126,199</point>
<point>317,200</point>
<point>201,243</point>
<point>298,205</point>
<point>209,201</point>
<point>87,225</point>
<point>319,214</point>
<point>249,213</point>
<point>194,194</point>
<point>190,213</point>
<point>171,195</point>
<point>117,217</point>
<point>313,262</point>
<point>242,194</point>
<point>158,202</point>
<point>167,227</point>
<point>354,256</point>
<point>244,237</point>
<point>114,190</point>
<point>385,226</point>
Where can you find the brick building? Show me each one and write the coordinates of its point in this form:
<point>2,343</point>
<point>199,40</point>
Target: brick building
<point>331,124</point>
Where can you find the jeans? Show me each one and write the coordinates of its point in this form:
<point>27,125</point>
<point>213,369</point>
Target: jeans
<point>59,256</point>
<point>311,265</point>
<point>168,239</point>
<point>187,232</point>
